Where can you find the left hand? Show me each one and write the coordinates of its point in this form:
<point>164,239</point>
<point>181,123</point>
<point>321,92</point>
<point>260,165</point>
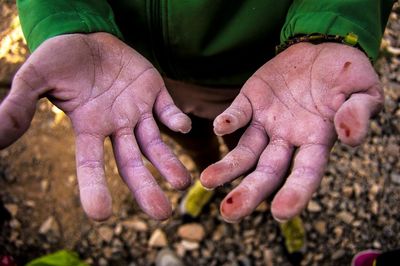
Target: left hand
<point>302,99</point>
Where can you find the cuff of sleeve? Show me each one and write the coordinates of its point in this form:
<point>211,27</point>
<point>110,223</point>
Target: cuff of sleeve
<point>330,24</point>
<point>71,22</point>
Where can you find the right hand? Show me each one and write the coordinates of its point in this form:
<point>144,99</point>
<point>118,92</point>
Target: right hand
<point>107,89</point>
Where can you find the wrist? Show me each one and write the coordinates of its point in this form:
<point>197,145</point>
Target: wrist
<point>350,39</point>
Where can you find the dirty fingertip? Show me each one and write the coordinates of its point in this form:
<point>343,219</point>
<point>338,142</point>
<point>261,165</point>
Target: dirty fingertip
<point>97,203</point>
<point>286,205</point>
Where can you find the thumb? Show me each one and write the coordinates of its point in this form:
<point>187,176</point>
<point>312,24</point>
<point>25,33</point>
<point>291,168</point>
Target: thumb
<point>352,118</point>
<point>18,108</point>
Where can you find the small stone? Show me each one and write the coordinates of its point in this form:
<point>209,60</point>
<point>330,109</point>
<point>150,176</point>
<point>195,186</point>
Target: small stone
<point>263,207</point>
<point>338,254</point>
<point>357,190</point>
<point>180,250</point>
<point>320,227</point>
<point>347,191</point>
<point>106,233</point>
<point>15,224</point>
<point>107,252</point>
<point>136,224</point>
<point>103,262</point>
<point>345,216</point>
<point>356,223</point>
<point>219,232</point>
<point>313,206</point>
<point>12,209</point>
<point>338,232</point>
<point>118,229</point>
<point>395,178</point>
<point>373,191</point>
<point>71,179</point>
<point>374,207</point>
<point>376,244</point>
<point>268,255</point>
<point>44,185</point>
<point>187,162</point>
<point>158,239</point>
<point>30,204</point>
<point>192,231</point>
<point>50,225</point>
<point>190,245</point>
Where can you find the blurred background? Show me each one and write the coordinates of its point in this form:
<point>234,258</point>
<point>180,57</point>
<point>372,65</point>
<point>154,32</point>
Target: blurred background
<point>357,206</point>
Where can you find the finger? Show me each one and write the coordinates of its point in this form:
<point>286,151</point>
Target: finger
<point>237,115</point>
<point>352,118</point>
<point>308,169</point>
<point>95,197</point>
<point>159,154</point>
<point>239,160</point>
<point>254,188</point>
<point>148,194</point>
<point>169,114</point>
<point>18,108</point>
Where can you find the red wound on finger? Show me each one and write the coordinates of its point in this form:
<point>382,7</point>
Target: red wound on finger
<point>232,205</point>
<point>346,129</point>
<point>228,121</point>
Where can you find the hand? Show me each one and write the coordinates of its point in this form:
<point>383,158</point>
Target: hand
<point>107,89</point>
<point>292,106</point>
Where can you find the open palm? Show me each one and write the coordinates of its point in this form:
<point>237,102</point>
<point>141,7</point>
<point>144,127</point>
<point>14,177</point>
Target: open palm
<point>107,89</point>
<point>292,106</point>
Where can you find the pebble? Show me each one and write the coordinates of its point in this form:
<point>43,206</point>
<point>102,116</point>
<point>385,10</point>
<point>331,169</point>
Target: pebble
<point>313,206</point>
<point>376,244</point>
<point>262,207</point>
<point>374,207</point>
<point>30,204</point>
<point>187,162</point>
<point>320,227</point>
<point>338,232</point>
<point>158,239</point>
<point>106,233</point>
<point>44,185</point>
<point>15,224</point>
<point>118,229</point>
<point>180,250</point>
<point>12,209</point>
<point>395,178</point>
<point>357,190</point>
<point>136,224</point>
<point>190,245</point>
<point>338,254</point>
<point>347,191</point>
<point>192,231</point>
<point>268,255</point>
<point>218,232</point>
<point>50,225</point>
<point>102,262</point>
<point>345,216</point>
<point>373,191</point>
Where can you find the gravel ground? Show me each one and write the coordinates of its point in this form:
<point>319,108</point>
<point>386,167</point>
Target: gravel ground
<point>355,208</point>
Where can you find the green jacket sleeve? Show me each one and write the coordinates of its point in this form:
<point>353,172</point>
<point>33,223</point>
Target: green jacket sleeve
<point>42,19</point>
<point>366,18</point>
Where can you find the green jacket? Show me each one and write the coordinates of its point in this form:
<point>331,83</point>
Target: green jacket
<point>209,42</point>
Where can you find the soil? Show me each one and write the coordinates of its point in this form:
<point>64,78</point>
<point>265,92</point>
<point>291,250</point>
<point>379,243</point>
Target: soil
<point>355,208</point>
